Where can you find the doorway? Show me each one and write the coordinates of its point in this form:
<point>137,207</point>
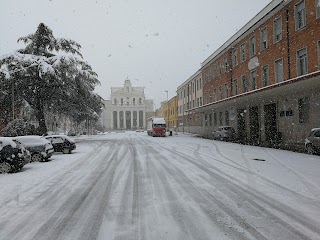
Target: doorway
<point>254,125</point>
<point>242,132</point>
<point>270,123</point>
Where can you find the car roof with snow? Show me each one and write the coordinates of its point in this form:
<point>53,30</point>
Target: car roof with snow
<point>31,140</point>
<point>63,136</point>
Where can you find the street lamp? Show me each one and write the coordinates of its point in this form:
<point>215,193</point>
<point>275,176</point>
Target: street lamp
<point>167,108</point>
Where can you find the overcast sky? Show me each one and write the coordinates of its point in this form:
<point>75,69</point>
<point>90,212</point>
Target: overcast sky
<point>157,44</point>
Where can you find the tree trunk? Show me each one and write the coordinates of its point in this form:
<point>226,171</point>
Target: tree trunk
<point>41,120</point>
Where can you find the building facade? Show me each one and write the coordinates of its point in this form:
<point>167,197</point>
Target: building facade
<point>265,80</point>
<point>190,97</point>
<point>170,113</point>
<point>127,108</point>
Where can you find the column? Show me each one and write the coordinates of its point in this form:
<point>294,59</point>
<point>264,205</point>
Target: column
<point>111,120</point>
<point>131,119</point>
<point>118,119</point>
<point>144,120</point>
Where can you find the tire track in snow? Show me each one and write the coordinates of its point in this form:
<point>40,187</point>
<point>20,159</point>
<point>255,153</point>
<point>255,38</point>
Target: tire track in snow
<point>246,171</point>
<point>252,193</point>
<point>210,205</point>
<point>52,179</point>
<point>313,189</point>
<point>50,200</point>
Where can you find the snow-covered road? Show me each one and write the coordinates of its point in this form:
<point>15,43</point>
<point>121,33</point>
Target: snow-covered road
<point>132,186</point>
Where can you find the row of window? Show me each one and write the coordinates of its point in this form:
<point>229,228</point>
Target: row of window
<point>212,119</point>
<point>300,22</point>
<point>190,88</point>
<point>122,102</point>
<point>303,111</point>
<point>251,83</point>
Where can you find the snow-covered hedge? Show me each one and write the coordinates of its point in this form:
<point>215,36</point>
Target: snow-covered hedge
<point>18,127</point>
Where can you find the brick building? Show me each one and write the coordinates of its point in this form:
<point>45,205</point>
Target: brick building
<point>265,79</point>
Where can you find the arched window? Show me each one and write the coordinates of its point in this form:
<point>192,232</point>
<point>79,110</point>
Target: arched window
<point>134,101</point>
<point>140,101</point>
<point>121,101</point>
<point>128,101</point>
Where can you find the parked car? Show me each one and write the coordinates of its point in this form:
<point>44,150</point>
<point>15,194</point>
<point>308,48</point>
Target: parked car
<point>224,133</point>
<point>312,142</point>
<point>61,143</point>
<point>39,147</point>
<point>13,156</point>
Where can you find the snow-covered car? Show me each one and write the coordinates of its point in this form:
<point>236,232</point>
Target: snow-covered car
<point>39,147</point>
<point>13,156</point>
<point>61,143</point>
<point>312,142</point>
<point>226,133</point>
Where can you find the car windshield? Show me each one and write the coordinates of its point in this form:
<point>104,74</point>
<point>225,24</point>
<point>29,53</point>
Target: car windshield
<point>150,119</point>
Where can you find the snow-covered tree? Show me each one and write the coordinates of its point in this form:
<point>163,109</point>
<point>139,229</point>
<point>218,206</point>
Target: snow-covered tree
<point>50,74</point>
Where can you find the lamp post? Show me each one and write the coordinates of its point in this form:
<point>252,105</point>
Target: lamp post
<point>168,109</point>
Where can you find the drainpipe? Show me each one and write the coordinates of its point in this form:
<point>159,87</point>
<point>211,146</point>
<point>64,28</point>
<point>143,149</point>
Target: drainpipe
<point>288,43</point>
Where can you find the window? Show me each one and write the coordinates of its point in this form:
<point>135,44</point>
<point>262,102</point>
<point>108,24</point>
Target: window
<point>226,65</point>
<point>200,84</point>
<point>115,101</point>
<point>134,101</point>
<point>244,84</point>
<point>277,29</point>
<point>121,101</point>
<point>234,58</point>
<point>304,106</point>
<point>243,52</point>
<point>57,140</point>
<point>193,103</point>
<point>210,119</point>
<point>226,91</point>
<point>214,95</point>
<point>140,101</point>
<point>215,119</point>
<point>219,68</point>
<point>264,39</point>
<point>220,118</point>
<point>279,70</point>
<point>318,8</point>
<point>253,46</point>
<point>197,85</point>
<point>265,75</point>
<point>235,87</point>
<point>200,101</point>
<point>220,92</point>
<point>226,115</point>
<point>302,62</point>
<point>300,15</point>
<point>253,76</point>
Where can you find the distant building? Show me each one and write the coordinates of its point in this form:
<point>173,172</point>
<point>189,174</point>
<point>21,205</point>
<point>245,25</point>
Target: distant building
<point>170,113</point>
<point>127,108</point>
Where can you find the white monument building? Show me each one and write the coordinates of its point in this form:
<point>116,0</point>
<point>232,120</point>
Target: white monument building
<point>127,108</point>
